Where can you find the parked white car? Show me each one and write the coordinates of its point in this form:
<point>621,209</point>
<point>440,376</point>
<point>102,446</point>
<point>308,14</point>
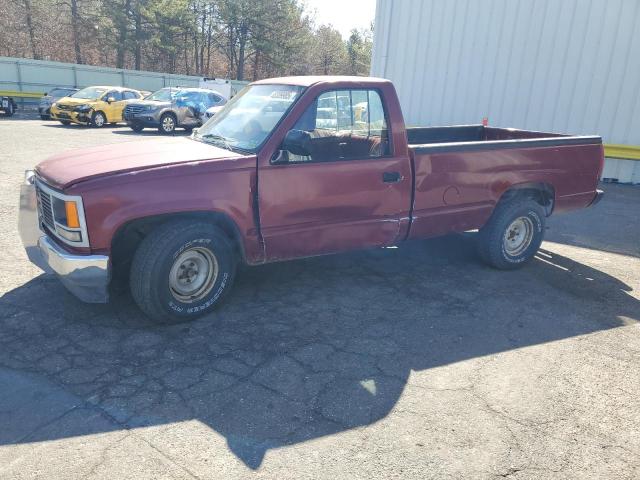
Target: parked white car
<point>212,111</point>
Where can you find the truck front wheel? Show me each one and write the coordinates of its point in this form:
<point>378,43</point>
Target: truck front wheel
<point>513,234</point>
<point>182,270</point>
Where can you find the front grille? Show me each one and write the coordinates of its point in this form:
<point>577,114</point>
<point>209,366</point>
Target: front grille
<point>65,107</point>
<point>133,110</point>
<point>45,208</point>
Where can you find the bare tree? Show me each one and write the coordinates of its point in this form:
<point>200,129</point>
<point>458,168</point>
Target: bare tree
<point>234,38</point>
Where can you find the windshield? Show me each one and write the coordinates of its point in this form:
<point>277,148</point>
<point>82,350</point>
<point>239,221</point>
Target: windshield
<point>250,117</point>
<point>165,94</point>
<point>90,93</point>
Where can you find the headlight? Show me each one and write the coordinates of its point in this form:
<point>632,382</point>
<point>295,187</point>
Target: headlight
<point>54,104</point>
<point>65,213</point>
<point>70,235</point>
<point>83,108</point>
<point>62,214</point>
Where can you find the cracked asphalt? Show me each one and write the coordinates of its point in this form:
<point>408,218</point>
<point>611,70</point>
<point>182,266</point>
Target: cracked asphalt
<point>410,362</point>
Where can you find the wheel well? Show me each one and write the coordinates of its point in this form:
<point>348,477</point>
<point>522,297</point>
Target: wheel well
<point>127,238</point>
<point>542,193</point>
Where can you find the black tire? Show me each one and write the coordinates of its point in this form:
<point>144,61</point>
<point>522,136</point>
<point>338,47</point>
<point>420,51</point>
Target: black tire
<point>156,260</point>
<point>65,122</point>
<point>496,238</point>
<point>168,123</point>
<point>136,128</point>
<point>44,117</point>
<point>98,119</point>
<point>10,109</point>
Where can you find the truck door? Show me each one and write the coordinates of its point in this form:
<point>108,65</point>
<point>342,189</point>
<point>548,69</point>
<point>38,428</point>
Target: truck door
<point>336,183</point>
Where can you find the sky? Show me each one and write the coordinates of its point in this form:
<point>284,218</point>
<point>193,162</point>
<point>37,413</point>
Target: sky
<point>343,14</point>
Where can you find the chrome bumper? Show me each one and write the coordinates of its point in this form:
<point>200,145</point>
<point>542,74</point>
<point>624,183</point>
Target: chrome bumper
<point>597,198</point>
<point>86,276</point>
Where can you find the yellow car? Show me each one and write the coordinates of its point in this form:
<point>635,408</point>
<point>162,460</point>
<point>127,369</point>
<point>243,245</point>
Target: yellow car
<point>94,106</point>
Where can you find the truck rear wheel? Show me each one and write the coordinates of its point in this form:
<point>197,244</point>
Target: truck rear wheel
<point>182,270</point>
<point>513,234</point>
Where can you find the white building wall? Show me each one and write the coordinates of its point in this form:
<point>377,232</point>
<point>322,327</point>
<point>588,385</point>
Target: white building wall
<point>556,65</point>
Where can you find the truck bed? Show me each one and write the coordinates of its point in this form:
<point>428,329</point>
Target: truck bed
<point>462,171</point>
<point>470,137</point>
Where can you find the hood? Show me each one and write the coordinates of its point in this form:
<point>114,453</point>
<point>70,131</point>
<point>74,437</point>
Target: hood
<point>76,101</point>
<point>68,168</point>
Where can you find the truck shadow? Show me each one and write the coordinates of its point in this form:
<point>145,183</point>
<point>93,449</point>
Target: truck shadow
<point>301,349</point>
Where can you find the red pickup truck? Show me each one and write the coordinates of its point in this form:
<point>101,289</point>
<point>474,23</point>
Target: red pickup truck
<point>292,167</point>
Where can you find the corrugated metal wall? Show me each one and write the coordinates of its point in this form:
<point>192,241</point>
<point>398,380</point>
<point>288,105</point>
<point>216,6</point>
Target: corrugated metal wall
<point>560,65</point>
<point>40,76</point>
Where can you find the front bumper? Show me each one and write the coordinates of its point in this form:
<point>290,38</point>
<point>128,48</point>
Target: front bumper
<point>70,115</point>
<point>146,119</point>
<point>86,276</point>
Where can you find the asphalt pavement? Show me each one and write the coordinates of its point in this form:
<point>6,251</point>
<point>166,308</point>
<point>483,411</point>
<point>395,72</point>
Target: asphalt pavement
<point>409,362</point>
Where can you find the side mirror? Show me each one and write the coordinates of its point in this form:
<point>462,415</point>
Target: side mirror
<point>296,142</point>
<point>280,157</point>
<point>111,99</point>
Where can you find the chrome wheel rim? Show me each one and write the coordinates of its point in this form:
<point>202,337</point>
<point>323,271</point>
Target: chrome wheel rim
<point>99,120</point>
<point>168,124</point>
<point>193,274</point>
<point>518,236</point>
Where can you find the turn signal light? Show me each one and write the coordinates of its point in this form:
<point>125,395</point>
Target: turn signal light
<point>71,209</point>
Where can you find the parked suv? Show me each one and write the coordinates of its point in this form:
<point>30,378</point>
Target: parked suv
<point>94,106</point>
<point>172,107</point>
<point>44,107</point>
<point>8,106</point>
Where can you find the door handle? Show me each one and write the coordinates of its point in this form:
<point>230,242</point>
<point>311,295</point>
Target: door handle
<point>392,177</point>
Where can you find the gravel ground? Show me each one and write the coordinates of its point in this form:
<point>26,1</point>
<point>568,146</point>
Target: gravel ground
<point>413,362</point>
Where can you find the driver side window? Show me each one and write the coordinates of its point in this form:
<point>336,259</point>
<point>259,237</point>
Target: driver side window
<point>117,96</point>
<point>342,125</point>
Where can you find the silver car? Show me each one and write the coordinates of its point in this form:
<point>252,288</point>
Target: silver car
<point>44,107</point>
<point>172,107</point>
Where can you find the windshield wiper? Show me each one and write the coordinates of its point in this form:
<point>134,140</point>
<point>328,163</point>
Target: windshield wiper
<point>217,138</point>
<point>224,141</point>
